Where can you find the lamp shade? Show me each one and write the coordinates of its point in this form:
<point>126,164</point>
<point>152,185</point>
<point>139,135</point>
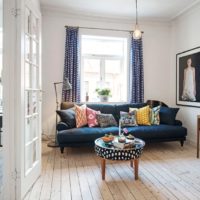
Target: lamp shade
<point>66,84</point>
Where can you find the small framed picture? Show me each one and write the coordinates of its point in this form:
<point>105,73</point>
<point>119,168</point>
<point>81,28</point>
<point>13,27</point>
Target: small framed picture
<point>188,78</point>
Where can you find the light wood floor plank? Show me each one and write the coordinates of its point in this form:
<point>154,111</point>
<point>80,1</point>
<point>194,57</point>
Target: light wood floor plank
<point>103,186</point>
<point>75,185</point>
<point>47,185</point>
<point>89,177</point>
<point>65,177</point>
<point>56,180</point>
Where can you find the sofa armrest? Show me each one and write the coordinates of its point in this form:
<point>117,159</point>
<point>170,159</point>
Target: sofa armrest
<point>61,126</point>
<point>178,123</point>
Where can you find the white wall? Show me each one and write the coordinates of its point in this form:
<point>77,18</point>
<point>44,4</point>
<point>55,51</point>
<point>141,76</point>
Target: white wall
<point>185,36</point>
<point>156,56</point>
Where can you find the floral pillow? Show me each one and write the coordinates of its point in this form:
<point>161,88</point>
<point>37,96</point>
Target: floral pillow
<point>81,118</point>
<point>92,117</point>
<point>128,119</point>
<point>106,120</point>
<point>154,116</point>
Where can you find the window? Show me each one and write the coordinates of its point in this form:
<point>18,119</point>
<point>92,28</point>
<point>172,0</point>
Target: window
<point>104,65</point>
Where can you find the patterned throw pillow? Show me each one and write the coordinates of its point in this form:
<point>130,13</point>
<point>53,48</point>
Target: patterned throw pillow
<point>142,115</point>
<point>128,119</point>
<point>81,118</point>
<point>154,115</point>
<point>106,120</point>
<point>92,117</point>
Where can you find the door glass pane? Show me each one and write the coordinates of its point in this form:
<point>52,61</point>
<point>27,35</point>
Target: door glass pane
<point>27,21</point>
<point>28,130</point>
<point>28,158</point>
<point>91,78</point>
<point>27,48</point>
<point>27,103</point>
<point>35,146</point>
<point>27,75</point>
<point>34,52</point>
<point>34,27</point>
<point>34,126</point>
<point>34,77</point>
<point>34,102</point>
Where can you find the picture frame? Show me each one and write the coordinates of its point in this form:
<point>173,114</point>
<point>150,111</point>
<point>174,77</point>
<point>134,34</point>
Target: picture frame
<point>188,78</point>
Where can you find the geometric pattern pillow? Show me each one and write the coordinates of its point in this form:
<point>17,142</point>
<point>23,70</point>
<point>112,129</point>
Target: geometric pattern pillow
<point>128,119</point>
<point>106,120</point>
<point>154,116</point>
<point>81,118</point>
<point>142,115</point>
<point>92,117</point>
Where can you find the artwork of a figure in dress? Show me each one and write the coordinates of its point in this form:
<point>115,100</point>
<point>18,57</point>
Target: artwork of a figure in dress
<point>189,82</point>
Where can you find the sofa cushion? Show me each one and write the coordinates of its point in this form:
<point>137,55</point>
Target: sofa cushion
<point>84,134</point>
<point>106,120</point>
<point>68,117</point>
<point>168,115</point>
<point>161,131</point>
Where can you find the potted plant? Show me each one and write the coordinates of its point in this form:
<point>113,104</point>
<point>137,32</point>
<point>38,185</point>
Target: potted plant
<point>103,94</point>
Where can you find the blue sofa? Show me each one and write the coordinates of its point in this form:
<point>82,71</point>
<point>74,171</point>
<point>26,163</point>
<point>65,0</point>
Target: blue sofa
<point>72,137</point>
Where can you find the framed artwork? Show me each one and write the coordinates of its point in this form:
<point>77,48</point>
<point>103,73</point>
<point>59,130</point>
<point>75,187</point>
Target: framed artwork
<point>188,78</point>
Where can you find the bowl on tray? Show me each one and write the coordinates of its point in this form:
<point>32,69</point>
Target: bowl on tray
<point>107,139</point>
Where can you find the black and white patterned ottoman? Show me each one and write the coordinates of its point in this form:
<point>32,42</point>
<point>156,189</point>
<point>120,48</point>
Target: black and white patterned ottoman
<point>111,153</point>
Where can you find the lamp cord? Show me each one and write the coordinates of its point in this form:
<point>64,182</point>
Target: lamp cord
<point>136,12</point>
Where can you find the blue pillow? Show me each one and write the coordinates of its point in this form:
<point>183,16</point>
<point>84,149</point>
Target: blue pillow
<point>168,115</point>
<point>68,117</point>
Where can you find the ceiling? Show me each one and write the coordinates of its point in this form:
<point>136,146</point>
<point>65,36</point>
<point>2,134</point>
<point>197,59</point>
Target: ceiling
<point>163,10</point>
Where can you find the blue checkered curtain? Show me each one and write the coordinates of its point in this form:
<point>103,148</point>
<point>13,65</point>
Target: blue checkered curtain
<point>136,72</point>
<point>71,65</point>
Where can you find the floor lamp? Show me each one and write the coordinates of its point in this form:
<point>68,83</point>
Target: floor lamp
<point>66,86</point>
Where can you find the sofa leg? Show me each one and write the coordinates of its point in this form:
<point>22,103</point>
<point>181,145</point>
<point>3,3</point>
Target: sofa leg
<point>182,142</point>
<point>62,149</point>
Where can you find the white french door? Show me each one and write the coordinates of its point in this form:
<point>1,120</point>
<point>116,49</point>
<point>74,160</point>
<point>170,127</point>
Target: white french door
<point>29,130</point>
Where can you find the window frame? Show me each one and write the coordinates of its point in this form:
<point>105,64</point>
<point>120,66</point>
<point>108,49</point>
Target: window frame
<point>126,57</point>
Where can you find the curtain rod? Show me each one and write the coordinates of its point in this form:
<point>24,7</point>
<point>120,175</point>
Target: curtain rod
<point>106,29</point>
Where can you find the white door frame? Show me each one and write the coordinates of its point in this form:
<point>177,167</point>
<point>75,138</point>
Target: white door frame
<point>9,108</point>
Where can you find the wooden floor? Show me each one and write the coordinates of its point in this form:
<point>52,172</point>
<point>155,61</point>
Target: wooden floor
<point>166,171</point>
